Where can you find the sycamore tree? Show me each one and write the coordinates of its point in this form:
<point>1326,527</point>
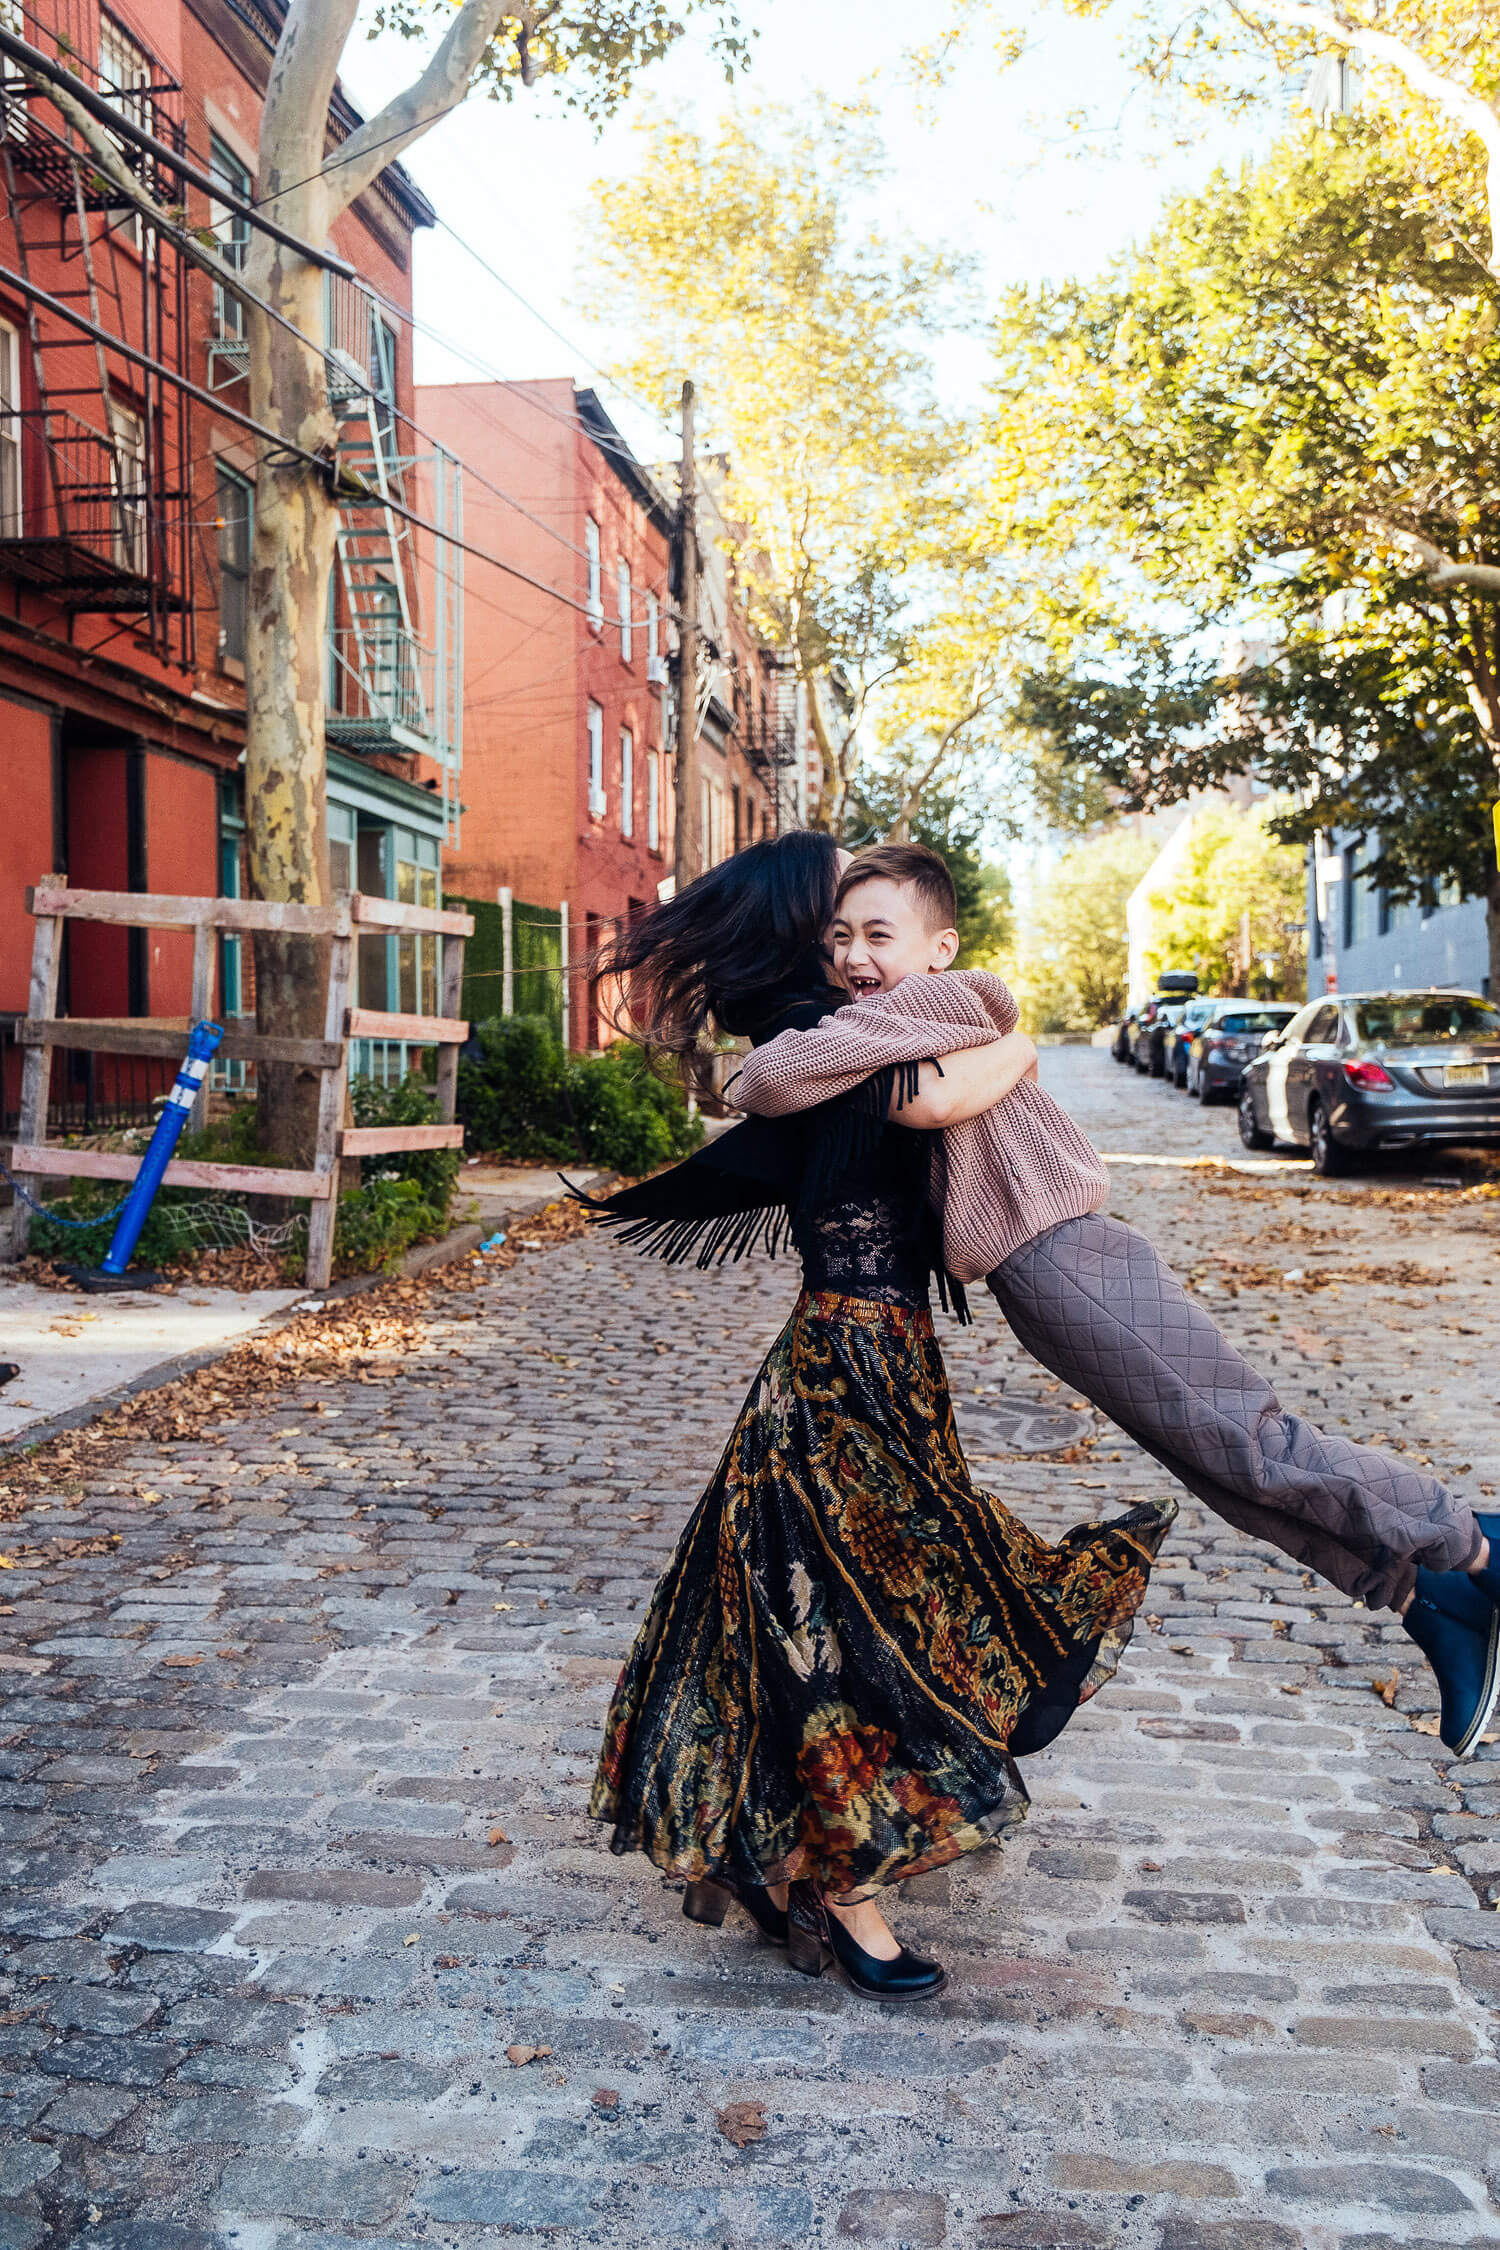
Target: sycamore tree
<point>1227,428</point>
<point>1069,957</point>
<point>1235,879</point>
<point>753,257</point>
<point>589,52</point>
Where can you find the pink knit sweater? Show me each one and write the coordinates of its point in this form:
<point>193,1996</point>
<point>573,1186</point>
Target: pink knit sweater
<point>1000,1179</point>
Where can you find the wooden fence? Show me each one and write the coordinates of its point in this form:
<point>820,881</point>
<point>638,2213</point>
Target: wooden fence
<point>43,1030</point>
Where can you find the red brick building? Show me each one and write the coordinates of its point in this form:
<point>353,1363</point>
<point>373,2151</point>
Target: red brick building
<point>125,509</point>
<point>570,705</point>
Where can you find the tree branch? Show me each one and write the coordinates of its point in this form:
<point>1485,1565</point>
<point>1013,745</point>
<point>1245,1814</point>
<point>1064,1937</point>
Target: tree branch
<point>1442,571</point>
<point>1459,102</point>
<point>442,86</point>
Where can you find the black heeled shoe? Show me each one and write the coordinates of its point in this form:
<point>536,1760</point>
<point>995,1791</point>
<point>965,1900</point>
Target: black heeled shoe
<point>708,1901</point>
<point>818,1939</point>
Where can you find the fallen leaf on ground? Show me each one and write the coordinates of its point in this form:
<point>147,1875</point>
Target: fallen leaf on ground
<point>1386,1689</point>
<point>498,1836</point>
<point>520,2056</point>
<point>605,2097</point>
<point>502,1605</point>
<point>1288,1689</point>
<point>445,1960</point>
<point>1427,1726</point>
<point>411,1940</point>
<point>742,2122</point>
<point>182,1663</point>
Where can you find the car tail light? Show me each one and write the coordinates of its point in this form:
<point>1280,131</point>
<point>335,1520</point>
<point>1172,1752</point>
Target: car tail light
<point>1369,1077</point>
<point>1212,1039</point>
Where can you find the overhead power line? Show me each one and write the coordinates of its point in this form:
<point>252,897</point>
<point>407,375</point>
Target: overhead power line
<point>278,445</point>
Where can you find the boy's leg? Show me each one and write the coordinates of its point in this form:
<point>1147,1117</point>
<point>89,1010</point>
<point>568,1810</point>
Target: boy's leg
<point>1092,1300</point>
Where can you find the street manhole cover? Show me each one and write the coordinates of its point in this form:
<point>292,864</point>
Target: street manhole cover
<point>1019,1425</point>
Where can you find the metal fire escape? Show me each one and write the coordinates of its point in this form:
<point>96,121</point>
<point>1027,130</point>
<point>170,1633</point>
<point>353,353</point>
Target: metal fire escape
<point>396,611</point>
<point>94,505</point>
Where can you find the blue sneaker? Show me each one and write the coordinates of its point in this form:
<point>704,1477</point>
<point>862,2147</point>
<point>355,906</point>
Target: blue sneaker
<point>1457,1628</point>
<point>1488,1579</point>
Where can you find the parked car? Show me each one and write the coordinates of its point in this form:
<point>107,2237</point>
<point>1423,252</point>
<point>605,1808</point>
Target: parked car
<point>1229,1037</point>
<point>1372,1070</point>
<point>1181,1034</point>
<point>1147,1046</point>
<point>1121,1047</point>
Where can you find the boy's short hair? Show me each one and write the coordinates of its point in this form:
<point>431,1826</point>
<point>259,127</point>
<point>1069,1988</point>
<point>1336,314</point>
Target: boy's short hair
<point>917,869</point>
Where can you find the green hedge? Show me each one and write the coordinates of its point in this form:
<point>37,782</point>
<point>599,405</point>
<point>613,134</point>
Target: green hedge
<point>523,1097</point>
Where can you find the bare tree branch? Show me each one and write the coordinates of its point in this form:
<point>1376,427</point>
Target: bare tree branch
<point>414,111</point>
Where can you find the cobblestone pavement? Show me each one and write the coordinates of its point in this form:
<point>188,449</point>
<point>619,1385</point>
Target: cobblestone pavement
<point>295,1777</point>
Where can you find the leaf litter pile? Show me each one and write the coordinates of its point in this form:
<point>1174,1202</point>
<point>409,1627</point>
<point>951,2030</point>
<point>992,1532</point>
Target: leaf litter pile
<point>366,1338</point>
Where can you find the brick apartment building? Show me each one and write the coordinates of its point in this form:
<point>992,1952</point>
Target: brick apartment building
<point>125,510</point>
<point>570,707</point>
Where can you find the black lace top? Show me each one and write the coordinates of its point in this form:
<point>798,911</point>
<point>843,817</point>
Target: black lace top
<point>866,1239</point>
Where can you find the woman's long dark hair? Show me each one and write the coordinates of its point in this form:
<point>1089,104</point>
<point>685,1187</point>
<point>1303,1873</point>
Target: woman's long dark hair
<point>713,957</point>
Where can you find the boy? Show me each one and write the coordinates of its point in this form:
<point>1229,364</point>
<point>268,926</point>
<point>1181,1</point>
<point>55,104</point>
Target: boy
<point>1022,1194</point>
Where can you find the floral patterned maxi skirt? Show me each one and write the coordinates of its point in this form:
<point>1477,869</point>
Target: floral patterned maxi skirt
<point>833,1664</point>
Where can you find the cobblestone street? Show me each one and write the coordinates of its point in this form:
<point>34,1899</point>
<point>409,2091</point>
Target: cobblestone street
<point>310,1943</point>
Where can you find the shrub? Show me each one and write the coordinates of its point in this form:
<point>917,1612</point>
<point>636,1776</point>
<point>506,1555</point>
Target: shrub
<point>512,1092</point>
<point>520,1095</point>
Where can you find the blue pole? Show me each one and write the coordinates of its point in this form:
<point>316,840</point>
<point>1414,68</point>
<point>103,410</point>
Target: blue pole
<point>201,1046</point>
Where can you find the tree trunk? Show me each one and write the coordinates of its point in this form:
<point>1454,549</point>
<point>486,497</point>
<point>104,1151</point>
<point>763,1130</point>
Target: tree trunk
<point>286,665</point>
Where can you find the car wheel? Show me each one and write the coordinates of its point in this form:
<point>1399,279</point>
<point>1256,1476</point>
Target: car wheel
<point>1250,1131</point>
<point>1158,1064</point>
<point>1208,1095</point>
<point>1194,1084</point>
<point>1330,1158</point>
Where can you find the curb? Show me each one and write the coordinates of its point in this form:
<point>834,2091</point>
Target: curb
<point>445,1251</point>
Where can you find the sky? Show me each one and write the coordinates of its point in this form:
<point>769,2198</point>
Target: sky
<point>995,171</point>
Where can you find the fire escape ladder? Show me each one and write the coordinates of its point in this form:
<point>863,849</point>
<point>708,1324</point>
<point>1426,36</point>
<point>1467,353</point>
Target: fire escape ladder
<point>375,569</point>
<point>124,544</point>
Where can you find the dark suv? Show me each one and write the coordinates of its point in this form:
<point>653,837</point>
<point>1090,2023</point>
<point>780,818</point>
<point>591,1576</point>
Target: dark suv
<point>1229,1036</point>
<point>1371,1070</point>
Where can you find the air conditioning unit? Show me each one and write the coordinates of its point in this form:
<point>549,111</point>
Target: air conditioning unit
<point>656,671</point>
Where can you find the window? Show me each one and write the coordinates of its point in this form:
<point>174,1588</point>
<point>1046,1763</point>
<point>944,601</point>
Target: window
<point>596,578</point>
<point>235,504</point>
<point>653,629</point>
<point>1323,1029</point>
<point>653,801</point>
<point>416,950</point>
<point>734,799</point>
<point>383,380</point>
<point>627,782</point>
<point>1361,905</point>
<point>125,81</point>
<point>706,824</point>
<point>10,432</point>
<point>232,229</point>
<point>625,619</point>
<point>342,825</point>
<point>127,478</point>
<point>231,959</point>
<point>596,762</point>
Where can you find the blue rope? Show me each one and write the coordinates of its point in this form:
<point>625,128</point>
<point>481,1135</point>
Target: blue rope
<point>47,1212</point>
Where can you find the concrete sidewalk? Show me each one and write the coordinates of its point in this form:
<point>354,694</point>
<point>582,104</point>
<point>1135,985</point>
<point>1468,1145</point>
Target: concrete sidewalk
<point>75,1350</point>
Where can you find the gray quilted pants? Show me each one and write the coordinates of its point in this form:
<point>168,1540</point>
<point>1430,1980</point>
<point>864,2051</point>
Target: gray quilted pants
<point>1092,1300</point>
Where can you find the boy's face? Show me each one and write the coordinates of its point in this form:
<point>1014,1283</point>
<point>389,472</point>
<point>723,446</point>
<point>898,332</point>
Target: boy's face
<point>879,936</point>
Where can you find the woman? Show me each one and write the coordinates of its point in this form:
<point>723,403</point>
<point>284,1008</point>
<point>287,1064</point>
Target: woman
<point>850,1645</point>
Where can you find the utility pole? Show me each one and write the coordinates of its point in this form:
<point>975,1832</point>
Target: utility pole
<point>689,852</point>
